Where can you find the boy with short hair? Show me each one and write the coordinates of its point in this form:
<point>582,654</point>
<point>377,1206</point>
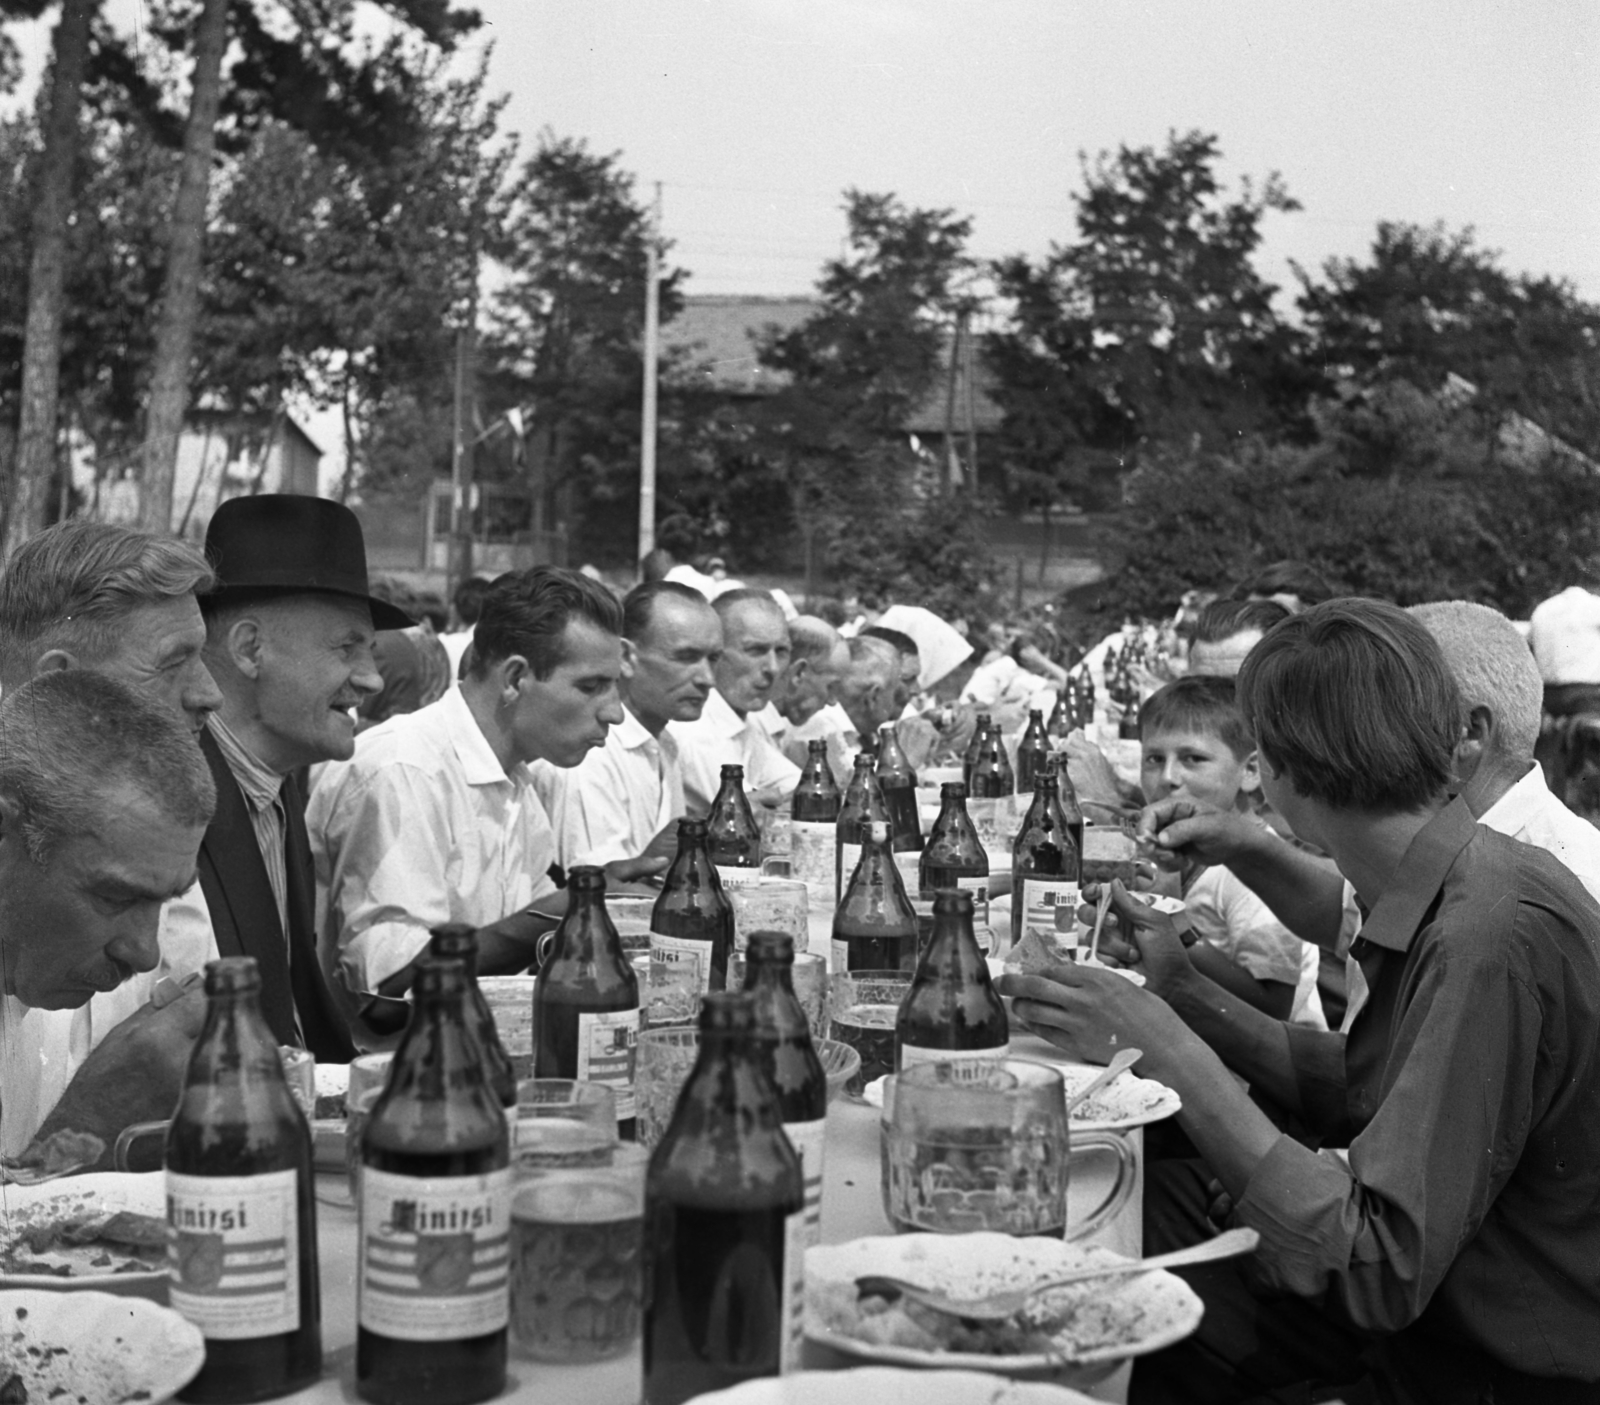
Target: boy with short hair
<point>1194,742</point>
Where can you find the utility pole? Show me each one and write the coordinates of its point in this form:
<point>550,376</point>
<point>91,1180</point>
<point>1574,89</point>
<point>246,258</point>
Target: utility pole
<point>652,355</point>
<point>458,561</point>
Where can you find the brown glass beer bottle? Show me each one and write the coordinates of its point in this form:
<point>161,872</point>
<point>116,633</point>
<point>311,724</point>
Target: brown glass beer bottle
<point>455,941</point>
<point>692,921</point>
<point>875,925</point>
<point>952,1011</point>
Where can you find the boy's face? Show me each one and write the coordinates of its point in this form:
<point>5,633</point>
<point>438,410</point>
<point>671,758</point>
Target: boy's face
<point>1197,766</point>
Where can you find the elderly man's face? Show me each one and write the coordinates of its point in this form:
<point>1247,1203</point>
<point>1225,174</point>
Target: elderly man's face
<point>1224,658</point>
<point>755,650</point>
<point>158,652</point>
<point>812,683</point>
<point>673,662</point>
<point>560,719</point>
<point>315,666</point>
<point>87,920</point>
<point>867,693</point>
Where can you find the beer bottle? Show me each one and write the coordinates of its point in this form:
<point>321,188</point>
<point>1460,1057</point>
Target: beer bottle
<point>455,941</point>
<point>899,785</point>
<point>952,1011</point>
<point>814,820</point>
<point>991,777</point>
<point>970,758</point>
<point>243,1255</point>
<point>1033,751</point>
<point>875,925</point>
<point>435,1213</point>
<point>586,1016</point>
<point>953,857</point>
<point>724,1223</point>
<point>1070,810</point>
<point>1061,716</point>
<point>852,815</point>
<point>732,837</point>
<point>692,921</point>
<point>1045,869</point>
<point>790,1059</point>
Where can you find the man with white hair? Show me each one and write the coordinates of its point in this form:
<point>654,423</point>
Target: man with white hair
<point>755,652</point>
<point>803,709</point>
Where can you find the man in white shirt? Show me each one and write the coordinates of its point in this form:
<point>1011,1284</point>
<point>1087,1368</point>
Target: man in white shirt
<point>435,819</point>
<point>123,604</point>
<point>103,801</point>
<point>818,659</point>
<point>624,799</point>
<point>755,652</point>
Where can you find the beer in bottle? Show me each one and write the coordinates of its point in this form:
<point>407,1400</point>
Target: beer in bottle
<point>970,758</point>
<point>875,925</point>
<point>990,788</point>
<point>732,837</point>
<point>243,1253</point>
<point>458,942</point>
<point>586,1003</point>
<point>1061,721</point>
<point>952,1011</point>
<point>814,813</point>
<point>1033,751</point>
<point>725,1227</point>
<point>435,1213</point>
<point>1070,809</point>
<point>953,857</point>
<point>852,815</point>
<point>899,784</point>
<point>691,925</point>
<point>1045,869</point>
<point>790,1059</point>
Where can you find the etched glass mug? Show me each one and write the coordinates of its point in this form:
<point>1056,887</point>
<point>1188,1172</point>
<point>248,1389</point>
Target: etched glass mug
<point>973,1145</point>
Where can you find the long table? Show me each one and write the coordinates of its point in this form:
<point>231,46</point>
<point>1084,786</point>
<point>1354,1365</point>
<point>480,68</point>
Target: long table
<point>851,1208</point>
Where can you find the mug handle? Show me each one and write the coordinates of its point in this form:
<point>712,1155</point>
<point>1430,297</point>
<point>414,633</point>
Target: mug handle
<point>132,1133</point>
<point>777,866</point>
<point>542,949</point>
<point>1118,1196</point>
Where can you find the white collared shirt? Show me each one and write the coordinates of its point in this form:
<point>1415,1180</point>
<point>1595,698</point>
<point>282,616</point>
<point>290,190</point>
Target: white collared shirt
<point>1528,812</point>
<point>422,826</point>
<point>613,803</point>
<point>723,738</point>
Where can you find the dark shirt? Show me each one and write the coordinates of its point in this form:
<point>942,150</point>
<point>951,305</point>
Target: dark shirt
<point>1470,1203</point>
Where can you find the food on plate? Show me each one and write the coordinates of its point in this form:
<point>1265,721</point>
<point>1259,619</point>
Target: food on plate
<point>1038,951</point>
<point>330,1107</point>
<point>92,1349</point>
<point>1072,1322</point>
<point>77,1237</point>
<point>57,1155</point>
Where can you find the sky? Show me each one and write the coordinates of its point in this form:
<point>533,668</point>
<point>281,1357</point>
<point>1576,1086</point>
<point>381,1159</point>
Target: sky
<point>756,115</point>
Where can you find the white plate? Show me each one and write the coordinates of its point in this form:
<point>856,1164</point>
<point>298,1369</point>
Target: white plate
<point>97,1347</point>
<point>143,1193</point>
<point>1124,1103</point>
<point>891,1385</point>
<point>1116,1320</point>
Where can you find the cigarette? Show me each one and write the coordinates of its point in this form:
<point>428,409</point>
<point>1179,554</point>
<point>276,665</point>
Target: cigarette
<point>167,990</point>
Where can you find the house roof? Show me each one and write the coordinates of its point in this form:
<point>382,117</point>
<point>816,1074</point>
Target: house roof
<point>718,334</point>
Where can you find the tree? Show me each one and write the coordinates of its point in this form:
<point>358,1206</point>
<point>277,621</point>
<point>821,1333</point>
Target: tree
<point>565,335</point>
<point>1151,329</point>
<point>41,358</point>
<point>855,370</point>
<point>1429,303</point>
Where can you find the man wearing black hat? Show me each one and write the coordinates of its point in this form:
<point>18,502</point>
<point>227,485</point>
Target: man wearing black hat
<point>289,636</point>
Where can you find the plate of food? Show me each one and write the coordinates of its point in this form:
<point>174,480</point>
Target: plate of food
<point>892,1385</point>
<point>1124,1103</point>
<point>94,1348</point>
<point>106,1231</point>
<point>1094,1323</point>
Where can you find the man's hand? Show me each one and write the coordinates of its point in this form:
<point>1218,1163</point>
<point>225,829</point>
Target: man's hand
<point>1188,829</point>
<point>1149,942</point>
<point>1093,1014</point>
<point>136,1073</point>
<point>629,874</point>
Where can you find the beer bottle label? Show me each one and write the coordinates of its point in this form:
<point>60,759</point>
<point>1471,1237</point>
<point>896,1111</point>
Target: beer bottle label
<point>1050,909</point>
<point>794,1291</point>
<point>839,953</point>
<point>683,962</point>
<point>807,1139</point>
<point>234,1256</point>
<point>737,876</point>
<point>608,1042</point>
<point>812,859</point>
<point>435,1255</point>
<point>969,1064</point>
<point>849,858</point>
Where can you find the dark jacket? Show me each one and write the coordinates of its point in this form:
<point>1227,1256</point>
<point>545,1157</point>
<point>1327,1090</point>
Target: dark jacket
<point>244,913</point>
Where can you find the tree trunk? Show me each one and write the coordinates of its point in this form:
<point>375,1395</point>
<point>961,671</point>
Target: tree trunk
<point>41,355</point>
<point>180,297</point>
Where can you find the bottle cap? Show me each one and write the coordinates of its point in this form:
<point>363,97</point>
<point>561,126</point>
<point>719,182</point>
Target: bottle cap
<point>771,947</point>
<point>587,878</point>
<point>438,975</point>
<point>732,773</point>
<point>691,829</point>
<point>232,973</point>
<point>953,790</point>
<point>452,940</point>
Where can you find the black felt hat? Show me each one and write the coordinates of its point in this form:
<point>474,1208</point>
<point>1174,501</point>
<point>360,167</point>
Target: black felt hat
<point>290,544</point>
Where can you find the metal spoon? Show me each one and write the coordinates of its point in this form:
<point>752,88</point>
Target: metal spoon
<point>996,1307</point>
<point>1123,1059</point>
